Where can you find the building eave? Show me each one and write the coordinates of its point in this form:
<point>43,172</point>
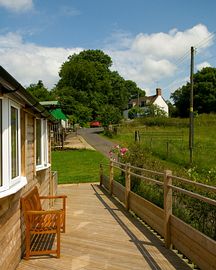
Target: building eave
<point>9,85</point>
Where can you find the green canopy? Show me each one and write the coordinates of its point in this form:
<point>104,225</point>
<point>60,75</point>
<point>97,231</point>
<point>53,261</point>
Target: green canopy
<point>58,114</point>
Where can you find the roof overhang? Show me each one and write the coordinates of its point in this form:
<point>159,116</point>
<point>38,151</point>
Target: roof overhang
<point>8,85</point>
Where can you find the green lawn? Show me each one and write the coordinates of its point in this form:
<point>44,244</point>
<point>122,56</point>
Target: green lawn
<point>77,166</point>
<point>171,149</point>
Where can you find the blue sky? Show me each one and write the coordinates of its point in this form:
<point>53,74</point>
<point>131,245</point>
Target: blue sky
<point>149,41</point>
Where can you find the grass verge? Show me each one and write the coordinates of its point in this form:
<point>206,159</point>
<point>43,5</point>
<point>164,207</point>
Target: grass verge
<point>77,166</point>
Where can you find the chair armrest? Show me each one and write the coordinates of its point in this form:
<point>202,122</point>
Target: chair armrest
<point>53,197</point>
<point>43,212</point>
<point>63,197</point>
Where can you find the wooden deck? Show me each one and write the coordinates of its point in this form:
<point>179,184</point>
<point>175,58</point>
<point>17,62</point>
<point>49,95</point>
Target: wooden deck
<point>100,234</point>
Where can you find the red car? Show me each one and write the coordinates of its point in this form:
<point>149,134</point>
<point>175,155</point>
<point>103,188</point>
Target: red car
<point>95,124</point>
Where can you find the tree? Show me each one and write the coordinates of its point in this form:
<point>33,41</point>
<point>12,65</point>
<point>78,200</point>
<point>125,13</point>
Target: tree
<point>86,79</point>
<point>109,114</point>
<point>40,92</point>
<point>135,112</point>
<point>134,90</point>
<point>172,109</point>
<point>204,93</point>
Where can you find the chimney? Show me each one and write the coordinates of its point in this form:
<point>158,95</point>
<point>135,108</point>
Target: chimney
<point>158,91</point>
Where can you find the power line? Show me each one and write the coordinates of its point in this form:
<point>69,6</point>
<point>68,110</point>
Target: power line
<point>206,40</point>
<point>187,54</point>
<point>182,58</point>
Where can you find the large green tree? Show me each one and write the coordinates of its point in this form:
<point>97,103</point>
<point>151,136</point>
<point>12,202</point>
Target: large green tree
<point>87,81</point>
<point>204,93</point>
<point>40,92</point>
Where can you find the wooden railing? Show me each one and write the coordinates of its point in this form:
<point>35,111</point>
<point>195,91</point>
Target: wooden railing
<point>53,186</point>
<point>196,246</point>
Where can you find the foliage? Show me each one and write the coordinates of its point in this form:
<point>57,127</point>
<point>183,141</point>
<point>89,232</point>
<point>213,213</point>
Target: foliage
<point>198,214</point>
<point>87,81</point>
<point>163,122</point>
<point>204,93</point>
<point>134,112</point>
<point>172,147</point>
<point>40,92</point>
<point>118,152</point>
<point>109,114</point>
<point>151,110</point>
<point>133,89</point>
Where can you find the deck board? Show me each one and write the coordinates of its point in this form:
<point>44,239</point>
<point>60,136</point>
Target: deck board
<point>100,234</point>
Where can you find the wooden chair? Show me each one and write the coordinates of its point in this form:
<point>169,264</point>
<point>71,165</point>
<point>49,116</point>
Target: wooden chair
<point>42,225</point>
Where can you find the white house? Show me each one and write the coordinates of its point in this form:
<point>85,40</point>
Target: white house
<point>143,102</point>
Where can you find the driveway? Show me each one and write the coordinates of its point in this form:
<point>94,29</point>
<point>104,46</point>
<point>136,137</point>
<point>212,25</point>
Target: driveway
<point>96,141</point>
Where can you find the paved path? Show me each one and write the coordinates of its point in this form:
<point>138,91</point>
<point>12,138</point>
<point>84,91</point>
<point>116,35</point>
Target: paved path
<point>75,141</point>
<point>96,141</point>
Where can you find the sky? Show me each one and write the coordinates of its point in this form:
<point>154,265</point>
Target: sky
<point>149,41</point>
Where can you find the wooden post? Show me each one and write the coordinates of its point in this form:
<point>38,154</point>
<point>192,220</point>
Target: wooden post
<point>137,136</point>
<point>111,177</point>
<point>127,186</point>
<point>167,207</point>
<point>101,174</point>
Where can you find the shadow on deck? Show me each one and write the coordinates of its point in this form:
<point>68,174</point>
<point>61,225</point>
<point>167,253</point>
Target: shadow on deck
<point>100,234</point>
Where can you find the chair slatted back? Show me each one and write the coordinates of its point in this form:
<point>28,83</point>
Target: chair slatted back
<point>31,202</point>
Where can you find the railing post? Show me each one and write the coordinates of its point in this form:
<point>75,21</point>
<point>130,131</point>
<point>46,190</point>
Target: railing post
<point>111,177</point>
<point>127,186</point>
<point>167,207</point>
<point>101,174</point>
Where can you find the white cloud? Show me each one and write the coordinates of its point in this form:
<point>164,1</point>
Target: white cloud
<point>17,5</point>
<point>149,58</point>
<point>202,65</point>
<point>171,45</point>
<point>29,63</point>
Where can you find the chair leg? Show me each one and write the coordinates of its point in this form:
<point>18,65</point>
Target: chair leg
<point>28,244</point>
<point>64,222</point>
<point>58,244</point>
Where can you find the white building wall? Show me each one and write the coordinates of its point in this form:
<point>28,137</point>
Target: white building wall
<point>162,104</point>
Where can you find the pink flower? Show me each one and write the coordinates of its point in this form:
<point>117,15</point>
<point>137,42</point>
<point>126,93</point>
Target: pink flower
<point>123,150</point>
<point>117,151</point>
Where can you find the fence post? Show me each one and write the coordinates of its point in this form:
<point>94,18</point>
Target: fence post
<point>137,136</point>
<point>167,207</point>
<point>101,174</point>
<point>127,186</point>
<point>111,177</point>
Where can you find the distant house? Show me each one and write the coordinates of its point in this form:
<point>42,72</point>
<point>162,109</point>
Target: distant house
<point>24,162</point>
<point>144,102</point>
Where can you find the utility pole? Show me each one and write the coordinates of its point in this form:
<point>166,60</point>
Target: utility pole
<point>138,98</point>
<point>191,126</point>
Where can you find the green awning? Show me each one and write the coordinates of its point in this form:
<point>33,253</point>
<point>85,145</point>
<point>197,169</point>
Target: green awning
<point>58,114</point>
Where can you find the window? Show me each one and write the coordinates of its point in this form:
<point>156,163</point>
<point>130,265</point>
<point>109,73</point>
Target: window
<point>10,148</point>
<point>38,142</point>
<point>41,144</point>
<point>14,142</point>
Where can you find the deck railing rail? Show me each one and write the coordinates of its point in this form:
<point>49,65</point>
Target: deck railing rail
<point>195,245</point>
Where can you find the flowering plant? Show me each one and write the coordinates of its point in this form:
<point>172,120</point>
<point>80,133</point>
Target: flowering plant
<point>118,152</point>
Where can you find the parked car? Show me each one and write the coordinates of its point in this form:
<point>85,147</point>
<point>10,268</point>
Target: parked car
<point>95,124</point>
